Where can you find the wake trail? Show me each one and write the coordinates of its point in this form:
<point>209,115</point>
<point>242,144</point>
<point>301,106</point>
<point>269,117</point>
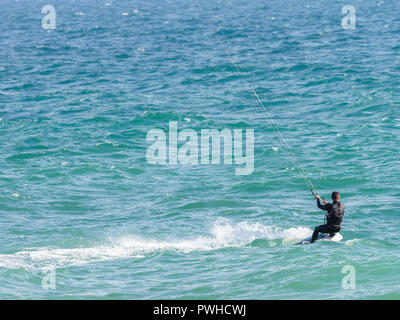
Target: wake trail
<point>222,234</point>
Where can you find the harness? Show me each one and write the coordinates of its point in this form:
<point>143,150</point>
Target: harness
<point>335,214</point>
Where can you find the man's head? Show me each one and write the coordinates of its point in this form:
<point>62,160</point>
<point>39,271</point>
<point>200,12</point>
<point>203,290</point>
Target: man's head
<point>335,196</point>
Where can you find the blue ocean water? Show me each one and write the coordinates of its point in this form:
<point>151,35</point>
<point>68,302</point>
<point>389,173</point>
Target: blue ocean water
<point>79,198</point>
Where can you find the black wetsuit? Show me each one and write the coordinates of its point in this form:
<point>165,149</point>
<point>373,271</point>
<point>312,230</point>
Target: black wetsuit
<point>333,219</point>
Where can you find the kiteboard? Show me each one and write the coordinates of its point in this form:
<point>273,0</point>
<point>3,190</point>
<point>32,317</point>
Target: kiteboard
<point>322,236</point>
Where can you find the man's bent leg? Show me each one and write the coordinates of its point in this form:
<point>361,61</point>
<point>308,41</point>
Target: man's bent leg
<point>322,228</point>
<point>333,231</point>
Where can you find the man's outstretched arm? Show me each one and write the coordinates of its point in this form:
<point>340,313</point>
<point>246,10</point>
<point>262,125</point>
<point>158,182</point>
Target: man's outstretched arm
<point>326,206</point>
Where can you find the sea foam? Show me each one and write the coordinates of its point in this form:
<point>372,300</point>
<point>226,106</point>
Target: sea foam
<point>222,234</point>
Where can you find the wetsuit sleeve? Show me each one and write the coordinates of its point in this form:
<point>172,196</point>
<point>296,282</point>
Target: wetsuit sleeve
<point>325,207</point>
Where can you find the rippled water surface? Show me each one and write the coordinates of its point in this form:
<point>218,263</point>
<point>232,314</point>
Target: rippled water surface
<point>79,196</point>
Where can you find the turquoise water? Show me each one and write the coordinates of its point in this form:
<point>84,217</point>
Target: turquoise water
<point>79,196</point>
